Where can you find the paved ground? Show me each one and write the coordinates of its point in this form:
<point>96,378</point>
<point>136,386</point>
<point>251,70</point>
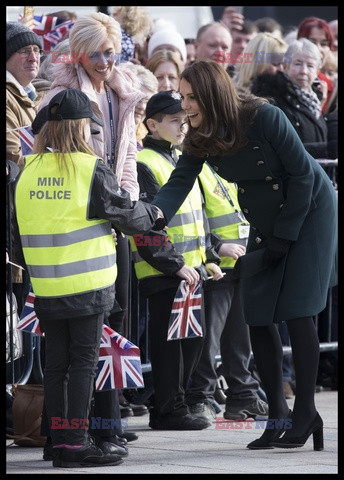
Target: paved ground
<point>209,451</point>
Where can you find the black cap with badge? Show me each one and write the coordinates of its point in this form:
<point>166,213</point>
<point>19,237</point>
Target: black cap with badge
<point>70,104</point>
<point>166,101</point>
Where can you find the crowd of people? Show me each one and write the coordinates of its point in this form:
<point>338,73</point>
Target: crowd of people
<point>211,149</point>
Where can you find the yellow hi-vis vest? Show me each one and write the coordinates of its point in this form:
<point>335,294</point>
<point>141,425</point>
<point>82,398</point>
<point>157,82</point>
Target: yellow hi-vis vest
<point>185,229</point>
<point>66,254</point>
<point>222,216</point>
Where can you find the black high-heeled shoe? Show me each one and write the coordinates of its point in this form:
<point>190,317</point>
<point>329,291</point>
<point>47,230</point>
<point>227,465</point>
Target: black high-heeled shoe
<point>315,428</point>
<point>264,442</point>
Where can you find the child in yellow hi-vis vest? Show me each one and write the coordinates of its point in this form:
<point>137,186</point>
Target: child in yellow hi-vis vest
<point>66,201</point>
<point>162,261</point>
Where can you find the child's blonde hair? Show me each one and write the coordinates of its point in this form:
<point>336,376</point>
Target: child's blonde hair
<point>63,137</point>
<point>135,21</point>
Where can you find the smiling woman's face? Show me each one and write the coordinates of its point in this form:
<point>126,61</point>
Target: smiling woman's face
<point>190,104</point>
<point>99,65</point>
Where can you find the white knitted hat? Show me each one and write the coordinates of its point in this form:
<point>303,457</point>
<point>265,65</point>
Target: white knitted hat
<point>167,37</point>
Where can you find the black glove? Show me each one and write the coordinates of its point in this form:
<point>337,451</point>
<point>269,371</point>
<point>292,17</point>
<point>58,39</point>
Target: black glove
<point>159,224</point>
<point>276,248</point>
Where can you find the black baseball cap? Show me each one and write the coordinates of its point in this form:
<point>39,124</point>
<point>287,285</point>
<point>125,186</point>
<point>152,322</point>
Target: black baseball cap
<point>40,120</point>
<point>71,104</point>
<point>42,117</point>
<point>166,101</point>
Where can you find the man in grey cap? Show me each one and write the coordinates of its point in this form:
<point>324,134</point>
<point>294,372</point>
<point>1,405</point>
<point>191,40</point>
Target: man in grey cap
<point>23,55</point>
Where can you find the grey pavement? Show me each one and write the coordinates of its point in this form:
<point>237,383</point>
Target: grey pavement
<point>211,451</point>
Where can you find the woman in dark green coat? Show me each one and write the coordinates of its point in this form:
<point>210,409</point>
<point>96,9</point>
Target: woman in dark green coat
<point>292,207</point>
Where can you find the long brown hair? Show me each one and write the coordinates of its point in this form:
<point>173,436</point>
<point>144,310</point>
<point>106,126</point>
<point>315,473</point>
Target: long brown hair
<point>226,115</point>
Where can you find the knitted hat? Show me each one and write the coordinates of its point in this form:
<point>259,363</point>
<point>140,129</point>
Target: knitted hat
<point>167,37</point>
<point>19,36</point>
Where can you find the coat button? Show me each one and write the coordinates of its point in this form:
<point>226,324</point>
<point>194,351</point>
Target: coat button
<point>258,240</point>
<point>206,155</point>
<point>297,124</point>
<point>275,186</point>
<point>245,210</point>
<point>268,178</point>
<point>297,106</point>
<point>256,148</point>
<point>260,162</point>
<point>241,190</point>
<point>216,168</point>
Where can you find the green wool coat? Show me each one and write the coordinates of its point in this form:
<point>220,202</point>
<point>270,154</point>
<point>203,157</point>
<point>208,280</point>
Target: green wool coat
<point>283,192</point>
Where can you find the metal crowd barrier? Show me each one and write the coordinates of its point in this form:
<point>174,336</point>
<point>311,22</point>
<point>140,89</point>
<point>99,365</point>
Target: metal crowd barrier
<point>331,168</point>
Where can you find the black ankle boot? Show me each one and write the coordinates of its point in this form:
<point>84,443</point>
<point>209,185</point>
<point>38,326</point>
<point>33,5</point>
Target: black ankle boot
<point>269,436</point>
<point>315,428</point>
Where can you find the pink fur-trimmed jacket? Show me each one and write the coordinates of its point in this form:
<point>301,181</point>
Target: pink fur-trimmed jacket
<point>73,75</point>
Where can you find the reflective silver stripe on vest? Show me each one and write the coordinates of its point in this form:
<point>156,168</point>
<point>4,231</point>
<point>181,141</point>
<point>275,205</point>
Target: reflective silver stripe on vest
<point>223,220</point>
<point>187,245</point>
<point>136,257</point>
<point>240,241</point>
<point>64,239</point>
<point>185,218</point>
<point>72,268</point>
<point>182,247</point>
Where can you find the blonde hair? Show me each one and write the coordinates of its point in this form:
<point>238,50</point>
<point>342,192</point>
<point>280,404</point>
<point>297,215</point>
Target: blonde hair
<point>330,62</point>
<point>143,78</point>
<point>90,32</point>
<point>135,21</point>
<point>262,43</point>
<point>63,137</point>
<point>161,56</point>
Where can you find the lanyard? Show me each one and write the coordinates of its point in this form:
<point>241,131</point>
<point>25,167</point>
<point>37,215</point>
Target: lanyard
<point>225,192</point>
<point>110,157</point>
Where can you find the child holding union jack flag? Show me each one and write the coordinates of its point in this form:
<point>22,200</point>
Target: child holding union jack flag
<point>65,205</point>
<point>170,269</point>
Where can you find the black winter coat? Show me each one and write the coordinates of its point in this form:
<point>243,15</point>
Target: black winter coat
<point>312,131</point>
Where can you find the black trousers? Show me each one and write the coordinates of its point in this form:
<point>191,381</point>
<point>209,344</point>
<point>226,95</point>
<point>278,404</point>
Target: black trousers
<point>228,334</point>
<point>71,356</point>
<point>172,361</point>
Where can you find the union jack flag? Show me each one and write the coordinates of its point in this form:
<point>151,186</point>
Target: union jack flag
<point>185,320</point>
<point>28,321</point>
<point>119,364</point>
<point>52,29</point>
<point>26,140</point>
<point>58,33</point>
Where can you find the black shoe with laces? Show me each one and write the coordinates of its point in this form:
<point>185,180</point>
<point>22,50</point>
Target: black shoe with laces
<point>87,456</point>
<point>182,422</point>
<point>106,445</point>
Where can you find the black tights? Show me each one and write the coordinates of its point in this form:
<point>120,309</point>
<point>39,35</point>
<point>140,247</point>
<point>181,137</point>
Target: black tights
<point>268,355</point>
